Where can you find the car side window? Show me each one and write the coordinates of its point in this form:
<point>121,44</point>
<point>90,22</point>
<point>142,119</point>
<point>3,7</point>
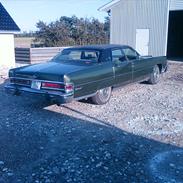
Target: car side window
<point>75,55</point>
<point>130,54</point>
<point>117,55</point>
<point>90,55</point>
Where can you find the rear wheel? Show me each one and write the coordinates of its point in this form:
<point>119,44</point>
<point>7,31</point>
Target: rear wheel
<point>102,96</point>
<point>155,75</point>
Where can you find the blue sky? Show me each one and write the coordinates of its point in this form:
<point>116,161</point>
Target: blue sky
<point>27,12</point>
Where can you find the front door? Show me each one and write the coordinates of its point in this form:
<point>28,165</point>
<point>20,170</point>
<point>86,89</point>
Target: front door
<point>142,41</point>
<point>140,67</point>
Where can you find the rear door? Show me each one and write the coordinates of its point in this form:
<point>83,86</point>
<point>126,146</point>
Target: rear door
<point>122,67</point>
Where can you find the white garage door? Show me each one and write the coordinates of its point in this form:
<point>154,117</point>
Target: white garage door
<point>142,41</point>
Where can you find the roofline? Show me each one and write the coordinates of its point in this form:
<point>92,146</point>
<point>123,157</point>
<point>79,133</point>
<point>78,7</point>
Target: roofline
<point>97,47</point>
<point>108,6</point>
<point>9,32</point>
<point>16,26</point>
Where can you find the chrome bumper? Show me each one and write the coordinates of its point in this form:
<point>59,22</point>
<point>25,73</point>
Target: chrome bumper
<point>54,96</point>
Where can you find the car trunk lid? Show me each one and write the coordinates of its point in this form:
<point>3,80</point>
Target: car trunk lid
<point>50,71</point>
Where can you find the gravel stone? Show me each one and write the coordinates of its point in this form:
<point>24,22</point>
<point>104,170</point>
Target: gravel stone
<point>130,139</point>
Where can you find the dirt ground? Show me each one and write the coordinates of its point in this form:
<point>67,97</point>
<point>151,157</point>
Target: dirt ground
<point>137,137</point>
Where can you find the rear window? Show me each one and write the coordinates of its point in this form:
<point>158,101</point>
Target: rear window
<point>78,55</point>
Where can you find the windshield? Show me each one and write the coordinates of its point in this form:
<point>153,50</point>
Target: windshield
<point>77,55</point>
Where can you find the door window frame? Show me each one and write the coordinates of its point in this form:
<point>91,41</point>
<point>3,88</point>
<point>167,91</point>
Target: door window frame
<point>121,49</point>
<point>138,55</point>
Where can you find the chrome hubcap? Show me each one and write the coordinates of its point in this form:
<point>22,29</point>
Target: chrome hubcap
<point>105,93</point>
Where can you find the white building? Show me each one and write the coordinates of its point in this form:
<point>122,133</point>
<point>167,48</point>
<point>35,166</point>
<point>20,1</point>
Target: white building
<point>7,29</point>
<point>152,27</point>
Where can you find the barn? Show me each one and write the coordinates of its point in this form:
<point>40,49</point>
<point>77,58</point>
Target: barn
<point>153,27</point>
<point>7,30</point>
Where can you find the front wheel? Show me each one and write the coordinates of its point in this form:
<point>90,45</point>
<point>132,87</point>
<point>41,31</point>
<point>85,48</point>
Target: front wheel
<point>102,96</point>
<point>155,75</point>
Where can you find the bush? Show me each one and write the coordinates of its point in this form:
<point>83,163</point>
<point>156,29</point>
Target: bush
<point>73,31</point>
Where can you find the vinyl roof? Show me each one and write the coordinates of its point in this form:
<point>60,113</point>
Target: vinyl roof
<point>6,21</point>
<point>98,47</point>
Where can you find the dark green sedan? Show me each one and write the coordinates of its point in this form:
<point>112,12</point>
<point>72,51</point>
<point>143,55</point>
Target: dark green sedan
<point>86,72</point>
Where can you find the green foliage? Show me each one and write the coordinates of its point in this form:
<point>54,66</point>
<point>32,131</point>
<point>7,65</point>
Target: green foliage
<point>68,31</point>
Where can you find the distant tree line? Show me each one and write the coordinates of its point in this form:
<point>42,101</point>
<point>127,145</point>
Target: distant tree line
<point>26,34</point>
<point>68,31</point>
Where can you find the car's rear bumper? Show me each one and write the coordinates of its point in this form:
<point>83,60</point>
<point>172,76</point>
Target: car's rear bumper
<point>54,96</point>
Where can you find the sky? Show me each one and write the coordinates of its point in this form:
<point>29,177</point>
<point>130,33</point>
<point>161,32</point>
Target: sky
<point>27,13</point>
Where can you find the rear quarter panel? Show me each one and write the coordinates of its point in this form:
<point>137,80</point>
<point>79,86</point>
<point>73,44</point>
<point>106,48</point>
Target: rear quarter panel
<point>91,79</point>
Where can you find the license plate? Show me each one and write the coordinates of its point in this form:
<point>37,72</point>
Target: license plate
<point>36,85</point>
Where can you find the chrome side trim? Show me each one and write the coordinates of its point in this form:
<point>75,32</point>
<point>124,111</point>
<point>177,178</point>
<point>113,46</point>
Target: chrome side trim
<point>52,88</point>
<point>89,82</point>
<point>21,85</point>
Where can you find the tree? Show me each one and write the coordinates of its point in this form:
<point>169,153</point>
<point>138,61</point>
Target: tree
<point>68,31</point>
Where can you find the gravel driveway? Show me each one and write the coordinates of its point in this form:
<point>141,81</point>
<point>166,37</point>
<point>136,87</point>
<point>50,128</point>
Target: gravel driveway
<point>137,137</point>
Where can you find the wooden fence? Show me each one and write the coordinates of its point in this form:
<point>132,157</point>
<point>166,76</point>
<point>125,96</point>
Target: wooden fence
<point>36,55</point>
<point>22,55</point>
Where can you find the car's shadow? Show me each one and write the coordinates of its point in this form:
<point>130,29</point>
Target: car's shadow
<point>41,144</point>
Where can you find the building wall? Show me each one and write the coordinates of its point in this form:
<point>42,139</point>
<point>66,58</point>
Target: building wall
<point>176,4</point>
<point>129,15</point>
<point>7,53</point>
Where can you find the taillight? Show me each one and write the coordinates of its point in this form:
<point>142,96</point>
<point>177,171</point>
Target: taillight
<point>19,81</point>
<point>69,88</point>
<point>52,85</point>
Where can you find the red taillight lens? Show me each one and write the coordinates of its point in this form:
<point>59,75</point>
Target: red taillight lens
<point>52,85</point>
<point>69,88</point>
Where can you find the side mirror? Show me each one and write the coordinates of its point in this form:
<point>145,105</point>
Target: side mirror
<point>122,58</point>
